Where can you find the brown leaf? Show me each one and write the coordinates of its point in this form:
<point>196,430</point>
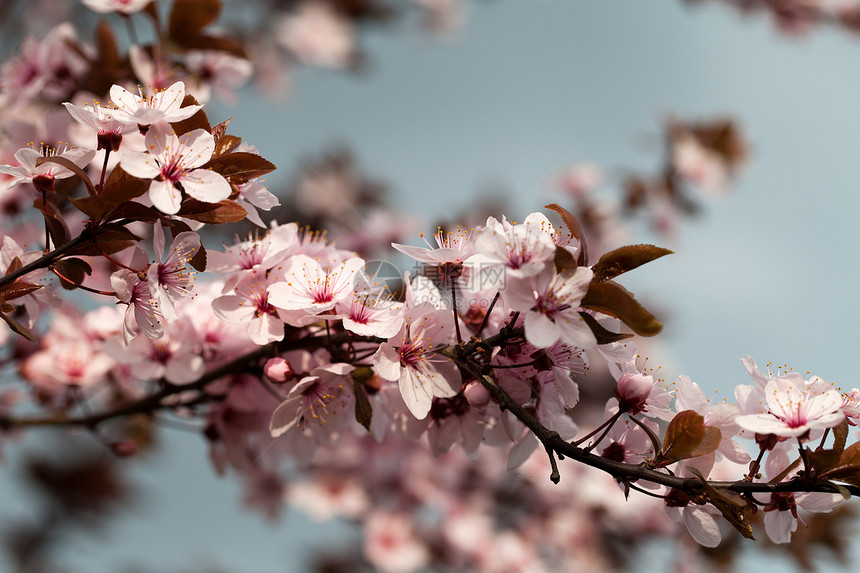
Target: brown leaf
<point>92,207</point>
<point>226,144</point>
<point>363,410</point>
<point>613,299</point>
<point>212,213</point>
<point>58,230</point>
<point>218,131</point>
<point>218,43</point>
<point>574,228</point>
<point>13,290</point>
<point>196,121</point>
<point>121,187</point>
<point>17,327</point>
<point>73,270</point>
<point>840,436</point>
<point>135,212</point>
<point>624,259</point>
<point>847,469</point>
<point>14,265</point>
<point>189,17</point>
<point>198,261</point>
<point>564,260</point>
<point>105,41</point>
<point>684,435</point>
<point>240,167</point>
<point>710,442</point>
<point>112,238</point>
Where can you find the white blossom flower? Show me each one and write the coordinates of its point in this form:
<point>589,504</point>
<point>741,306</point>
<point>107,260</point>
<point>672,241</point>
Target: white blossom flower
<point>162,107</point>
<point>173,163</point>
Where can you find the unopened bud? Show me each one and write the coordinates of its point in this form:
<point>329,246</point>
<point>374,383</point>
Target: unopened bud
<point>278,370</point>
<point>476,394</point>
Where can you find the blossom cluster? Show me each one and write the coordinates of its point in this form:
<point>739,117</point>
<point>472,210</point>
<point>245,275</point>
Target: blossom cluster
<point>293,351</point>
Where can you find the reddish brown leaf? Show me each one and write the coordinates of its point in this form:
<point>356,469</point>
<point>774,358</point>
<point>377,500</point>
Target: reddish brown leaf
<point>226,144</point>
<point>684,435</point>
<point>847,469</point>
<point>574,228</point>
<point>17,327</point>
<point>112,238</point>
<point>14,265</point>
<point>212,213</point>
<point>189,17</point>
<point>240,167</point>
<point>218,43</point>
<point>613,299</point>
<point>219,129</point>
<point>121,187</point>
<point>363,410</point>
<point>710,442</point>
<point>92,207</point>
<point>58,230</point>
<point>564,260</point>
<point>72,270</point>
<point>198,261</point>
<point>624,259</point>
<point>196,121</point>
<point>135,212</point>
<point>108,54</point>
<point>14,290</point>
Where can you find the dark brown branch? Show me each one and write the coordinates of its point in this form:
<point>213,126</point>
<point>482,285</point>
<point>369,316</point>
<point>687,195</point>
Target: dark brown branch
<point>47,259</point>
<point>154,402</point>
<point>621,471</point>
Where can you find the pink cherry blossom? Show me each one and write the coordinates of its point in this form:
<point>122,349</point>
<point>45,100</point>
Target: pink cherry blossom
<point>254,253</point>
<point>142,309</point>
<point>391,543</point>
<point>46,173</point>
<point>452,247</point>
<point>174,356</point>
<point>409,359</point>
<point>109,130</point>
<point>320,403</point>
<point>308,288</point>
<point>550,302</point>
<point>170,280</point>
<point>318,34</point>
<point>792,409</point>
<point>122,6</point>
<point>67,363</point>
<point>174,165</point>
<point>219,72</point>
<point>162,107</point>
<point>254,195</point>
<point>781,509</point>
<point>371,315</point>
<point>251,305</point>
<point>510,252</point>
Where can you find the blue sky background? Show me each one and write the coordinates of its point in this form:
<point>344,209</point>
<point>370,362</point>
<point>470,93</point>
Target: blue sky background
<point>528,89</point>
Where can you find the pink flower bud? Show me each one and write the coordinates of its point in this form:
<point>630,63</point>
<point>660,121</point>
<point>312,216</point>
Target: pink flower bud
<point>632,391</point>
<point>278,370</point>
<point>476,394</point>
